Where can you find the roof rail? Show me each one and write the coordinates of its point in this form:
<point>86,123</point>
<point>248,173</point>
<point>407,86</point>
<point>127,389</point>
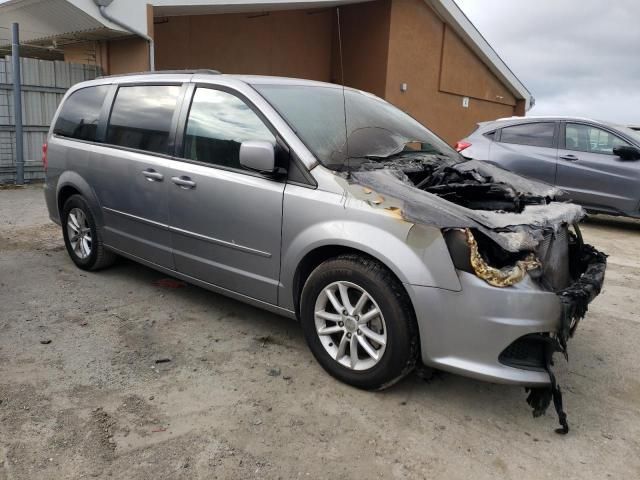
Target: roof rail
<point>166,72</point>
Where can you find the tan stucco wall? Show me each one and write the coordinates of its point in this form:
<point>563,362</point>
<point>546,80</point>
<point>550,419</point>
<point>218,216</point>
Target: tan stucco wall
<point>417,42</point>
<point>463,73</point>
<point>365,45</point>
<point>293,43</point>
<point>128,55</point>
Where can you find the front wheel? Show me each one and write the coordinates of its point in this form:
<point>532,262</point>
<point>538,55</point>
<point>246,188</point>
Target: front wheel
<point>359,323</point>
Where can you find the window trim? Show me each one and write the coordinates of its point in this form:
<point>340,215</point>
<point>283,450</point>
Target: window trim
<point>556,134</point>
<point>181,127</point>
<point>563,137</point>
<point>172,126</point>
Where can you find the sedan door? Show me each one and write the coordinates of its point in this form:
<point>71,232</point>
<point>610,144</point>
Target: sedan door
<point>592,175</point>
<point>225,221</point>
<point>132,171</point>
<point>528,149</point>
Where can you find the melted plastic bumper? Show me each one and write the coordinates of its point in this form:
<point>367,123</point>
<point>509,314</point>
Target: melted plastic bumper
<point>588,265</point>
<point>466,332</point>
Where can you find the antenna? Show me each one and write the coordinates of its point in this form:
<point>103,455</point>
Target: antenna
<point>344,97</point>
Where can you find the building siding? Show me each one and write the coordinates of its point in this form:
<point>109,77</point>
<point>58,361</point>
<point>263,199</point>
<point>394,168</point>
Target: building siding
<point>365,46</point>
<point>417,57</point>
<point>290,43</point>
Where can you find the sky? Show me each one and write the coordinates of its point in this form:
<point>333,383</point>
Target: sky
<point>577,57</point>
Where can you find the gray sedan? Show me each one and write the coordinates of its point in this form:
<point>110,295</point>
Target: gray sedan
<point>597,164</point>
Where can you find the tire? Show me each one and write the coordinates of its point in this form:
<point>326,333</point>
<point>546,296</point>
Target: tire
<point>396,327</point>
<point>86,251</point>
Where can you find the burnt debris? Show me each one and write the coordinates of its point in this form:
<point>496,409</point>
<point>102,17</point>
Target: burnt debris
<point>588,267</point>
<point>577,296</point>
<point>473,190</point>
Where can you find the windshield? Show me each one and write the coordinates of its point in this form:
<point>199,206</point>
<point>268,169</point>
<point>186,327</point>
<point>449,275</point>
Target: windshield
<point>376,130</point>
<point>630,132</point>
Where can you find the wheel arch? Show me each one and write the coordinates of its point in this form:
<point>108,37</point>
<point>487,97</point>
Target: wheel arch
<point>317,256</point>
<point>71,183</point>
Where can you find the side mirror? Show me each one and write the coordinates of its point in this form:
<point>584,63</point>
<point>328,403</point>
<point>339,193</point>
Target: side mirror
<point>627,152</point>
<point>258,155</point>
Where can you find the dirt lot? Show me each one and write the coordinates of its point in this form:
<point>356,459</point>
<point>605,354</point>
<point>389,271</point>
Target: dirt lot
<point>144,381</point>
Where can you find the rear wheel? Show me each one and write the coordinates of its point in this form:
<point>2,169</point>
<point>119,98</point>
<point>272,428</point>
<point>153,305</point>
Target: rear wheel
<point>359,323</point>
<point>81,237</point>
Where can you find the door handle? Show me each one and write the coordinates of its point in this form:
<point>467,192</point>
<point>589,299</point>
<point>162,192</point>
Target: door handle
<point>184,182</point>
<point>152,175</point>
<point>569,158</point>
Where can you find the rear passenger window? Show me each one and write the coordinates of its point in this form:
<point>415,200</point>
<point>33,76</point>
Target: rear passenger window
<point>141,117</point>
<point>491,135</point>
<point>79,115</point>
<point>218,123</point>
<point>532,134</point>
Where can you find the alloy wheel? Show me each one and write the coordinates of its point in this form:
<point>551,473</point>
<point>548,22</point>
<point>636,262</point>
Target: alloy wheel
<point>350,325</point>
<point>79,233</point>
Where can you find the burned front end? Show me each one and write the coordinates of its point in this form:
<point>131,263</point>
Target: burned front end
<point>509,234</point>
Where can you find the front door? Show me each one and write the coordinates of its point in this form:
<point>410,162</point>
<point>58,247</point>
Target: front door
<point>225,221</point>
<point>132,173</point>
<point>592,175</point>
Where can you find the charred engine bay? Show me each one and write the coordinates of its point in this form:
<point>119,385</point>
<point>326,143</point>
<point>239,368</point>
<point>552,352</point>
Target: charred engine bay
<point>513,211</point>
<point>471,189</point>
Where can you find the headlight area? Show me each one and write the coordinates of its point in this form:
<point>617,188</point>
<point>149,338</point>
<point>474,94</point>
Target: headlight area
<point>477,254</point>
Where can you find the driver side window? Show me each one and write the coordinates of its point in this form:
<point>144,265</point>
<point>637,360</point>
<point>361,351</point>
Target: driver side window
<point>584,138</point>
<point>218,123</point>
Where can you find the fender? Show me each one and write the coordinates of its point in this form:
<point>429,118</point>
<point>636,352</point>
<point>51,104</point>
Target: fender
<point>416,254</point>
<point>73,179</point>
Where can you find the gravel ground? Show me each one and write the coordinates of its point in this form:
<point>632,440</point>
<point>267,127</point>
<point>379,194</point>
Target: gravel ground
<point>116,375</point>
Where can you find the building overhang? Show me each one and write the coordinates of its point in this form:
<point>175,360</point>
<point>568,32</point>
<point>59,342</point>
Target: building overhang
<point>170,8</point>
<point>47,26</point>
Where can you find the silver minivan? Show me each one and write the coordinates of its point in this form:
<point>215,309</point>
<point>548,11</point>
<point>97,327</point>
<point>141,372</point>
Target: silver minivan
<point>329,205</point>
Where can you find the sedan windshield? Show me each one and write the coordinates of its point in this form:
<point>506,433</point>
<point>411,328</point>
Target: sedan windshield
<point>345,131</point>
<point>629,132</point>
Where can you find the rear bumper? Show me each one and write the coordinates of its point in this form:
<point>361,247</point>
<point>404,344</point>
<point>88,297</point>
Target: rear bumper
<point>466,332</point>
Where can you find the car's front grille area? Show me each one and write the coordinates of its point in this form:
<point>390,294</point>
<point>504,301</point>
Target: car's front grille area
<point>553,252</point>
<point>526,352</point>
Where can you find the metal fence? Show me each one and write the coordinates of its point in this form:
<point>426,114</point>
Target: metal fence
<point>44,83</point>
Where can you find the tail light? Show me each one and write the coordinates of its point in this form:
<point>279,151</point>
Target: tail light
<point>44,156</point>
<point>461,145</point>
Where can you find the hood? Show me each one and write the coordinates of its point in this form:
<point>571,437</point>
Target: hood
<point>433,190</point>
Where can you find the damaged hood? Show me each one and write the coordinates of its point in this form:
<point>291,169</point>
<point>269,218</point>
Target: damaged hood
<point>432,191</point>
